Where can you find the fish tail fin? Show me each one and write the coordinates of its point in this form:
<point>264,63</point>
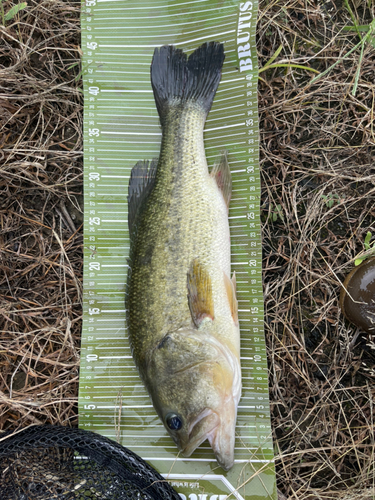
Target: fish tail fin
<point>176,79</point>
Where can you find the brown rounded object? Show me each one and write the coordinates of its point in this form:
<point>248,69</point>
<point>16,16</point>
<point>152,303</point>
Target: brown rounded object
<point>357,297</point>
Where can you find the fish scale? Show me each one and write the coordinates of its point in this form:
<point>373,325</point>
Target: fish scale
<point>189,228</point>
<point>178,284</point>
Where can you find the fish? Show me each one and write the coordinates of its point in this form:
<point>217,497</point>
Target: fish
<point>181,304</point>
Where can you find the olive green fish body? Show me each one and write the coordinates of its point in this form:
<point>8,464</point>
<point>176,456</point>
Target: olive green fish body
<point>181,305</point>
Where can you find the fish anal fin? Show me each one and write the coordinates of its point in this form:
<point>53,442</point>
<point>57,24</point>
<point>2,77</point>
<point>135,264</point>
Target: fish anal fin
<point>221,173</point>
<point>230,286</point>
<point>199,295</point>
<point>142,180</point>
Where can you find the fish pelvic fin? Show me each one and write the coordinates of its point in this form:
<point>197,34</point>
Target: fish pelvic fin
<point>221,173</point>
<point>142,180</point>
<point>177,79</point>
<point>200,297</point>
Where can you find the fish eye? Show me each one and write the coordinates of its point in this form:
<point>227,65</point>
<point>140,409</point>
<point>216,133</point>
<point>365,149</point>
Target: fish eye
<point>173,421</point>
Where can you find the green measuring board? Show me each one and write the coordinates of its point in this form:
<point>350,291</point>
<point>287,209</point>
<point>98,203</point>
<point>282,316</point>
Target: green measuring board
<point>121,127</point>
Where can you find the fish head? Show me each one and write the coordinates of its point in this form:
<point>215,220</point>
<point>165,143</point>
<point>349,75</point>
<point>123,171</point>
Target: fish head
<point>195,386</point>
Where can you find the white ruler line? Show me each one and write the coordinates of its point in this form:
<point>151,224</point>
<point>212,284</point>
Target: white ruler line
<point>135,376</point>
<point>154,6</point>
<point>105,80</point>
<point>165,35</point>
<point>176,44</point>
<point>128,159</point>
<point>127,124</point>
<point>228,98</point>
<point>227,145</point>
<point>215,109</point>
<point>124,221</point>
<point>113,310</point>
<point>157,27</point>
<point>132,91</point>
<point>121,72</point>
<point>237,208</point>
<point>155,15</point>
<point>122,116</point>
<point>132,133</point>
<point>221,137</point>
<point>244,461</point>
<point>224,127</point>
<point>228,90</point>
<point>210,120</point>
<point>114,248</point>
<point>111,320</point>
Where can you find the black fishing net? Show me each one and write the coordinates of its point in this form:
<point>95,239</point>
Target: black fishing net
<point>48,462</point>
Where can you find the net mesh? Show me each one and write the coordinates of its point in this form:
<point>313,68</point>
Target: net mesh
<point>49,462</point>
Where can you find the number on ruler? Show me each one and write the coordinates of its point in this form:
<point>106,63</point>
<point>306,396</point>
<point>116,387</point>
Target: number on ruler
<point>94,176</point>
<point>94,220</point>
<point>89,407</point>
<point>94,310</point>
<point>94,266</point>
<point>90,3</point>
<point>94,132</point>
<point>92,45</point>
<point>91,357</point>
<point>94,90</point>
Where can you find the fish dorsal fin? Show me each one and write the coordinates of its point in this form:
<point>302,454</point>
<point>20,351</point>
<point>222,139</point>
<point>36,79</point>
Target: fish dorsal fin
<point>221,173</point>
<point>200,298</point>
<point>230,286</point>
<point>142,180</point>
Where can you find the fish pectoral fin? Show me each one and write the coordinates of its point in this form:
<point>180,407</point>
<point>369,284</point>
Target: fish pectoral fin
<point>221,173</point>
<point>200,297</point>
<point>230,286</point>
<point>142,180</point>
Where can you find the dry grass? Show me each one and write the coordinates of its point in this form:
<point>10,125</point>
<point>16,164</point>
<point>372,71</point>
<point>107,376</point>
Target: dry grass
<point>317,150</point>
<point>40,216</point>
<point>317,165</point>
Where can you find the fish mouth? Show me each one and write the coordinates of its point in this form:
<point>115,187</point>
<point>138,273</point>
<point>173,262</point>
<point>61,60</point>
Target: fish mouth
<point>222,437</point>
<point>218,429</point>
<point>199,429</point>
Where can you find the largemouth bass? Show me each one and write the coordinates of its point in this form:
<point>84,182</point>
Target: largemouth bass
<point>181,302</point>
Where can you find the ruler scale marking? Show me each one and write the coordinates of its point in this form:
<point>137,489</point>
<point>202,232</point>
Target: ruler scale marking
<point>114,142</point>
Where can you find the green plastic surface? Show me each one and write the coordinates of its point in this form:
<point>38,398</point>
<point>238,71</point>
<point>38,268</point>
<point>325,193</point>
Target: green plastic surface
<point>121,126</point>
